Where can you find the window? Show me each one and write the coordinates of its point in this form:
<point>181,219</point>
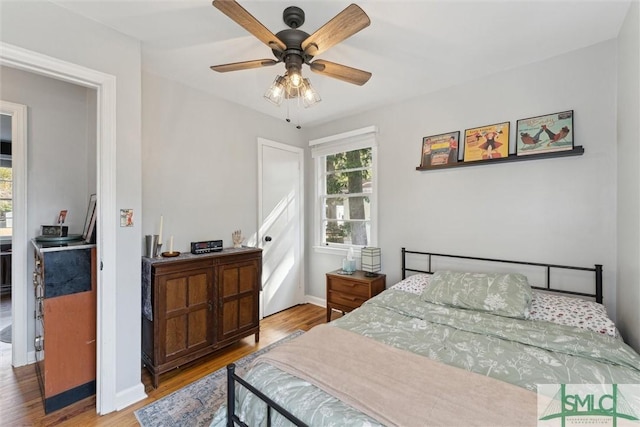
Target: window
<point>6,190</point>
<point>345,167</point>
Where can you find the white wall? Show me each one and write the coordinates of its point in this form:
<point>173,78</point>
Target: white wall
<point>58,146</point>
<point>59,142</point>
<point>628,232</point>
<point>199,162</point>
<point>558,210</point>
<point>54,31</point>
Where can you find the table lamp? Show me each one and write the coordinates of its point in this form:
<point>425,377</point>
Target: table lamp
<point>370,261</point>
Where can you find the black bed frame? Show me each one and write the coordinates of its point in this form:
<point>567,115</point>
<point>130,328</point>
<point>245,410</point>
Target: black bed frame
<point>233,419</point>
<point>233,378</point>
<point>597,270</point>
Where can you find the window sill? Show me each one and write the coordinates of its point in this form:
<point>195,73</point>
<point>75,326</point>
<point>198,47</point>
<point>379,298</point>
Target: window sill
<point>332,250</point>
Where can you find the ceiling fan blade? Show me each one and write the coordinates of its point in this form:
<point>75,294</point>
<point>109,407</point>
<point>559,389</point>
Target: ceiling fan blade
<point>240,15</point>
<point>235,66</point>
<point>341,72</point>
<point>343,25</point>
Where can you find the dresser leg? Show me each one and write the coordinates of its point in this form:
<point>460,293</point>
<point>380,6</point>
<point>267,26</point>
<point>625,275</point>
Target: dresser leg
<point>257,336</point>
<point>328,314</point>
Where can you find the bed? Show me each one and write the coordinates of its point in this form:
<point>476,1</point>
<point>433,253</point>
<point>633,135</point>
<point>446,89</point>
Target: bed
<point>444,346</point>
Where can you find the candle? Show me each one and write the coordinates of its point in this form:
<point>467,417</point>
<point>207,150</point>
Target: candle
<point>160,234</point>
<point>171,244</point>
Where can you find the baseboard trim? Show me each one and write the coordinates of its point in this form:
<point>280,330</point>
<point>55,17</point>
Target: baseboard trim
<point>130,396</point>
<point>321,302</point>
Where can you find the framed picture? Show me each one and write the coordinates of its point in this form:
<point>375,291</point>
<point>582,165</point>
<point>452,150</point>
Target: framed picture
<point>90,214</point>
<point>486,142</point>
<point>440,149</point>
<point>543,134</point>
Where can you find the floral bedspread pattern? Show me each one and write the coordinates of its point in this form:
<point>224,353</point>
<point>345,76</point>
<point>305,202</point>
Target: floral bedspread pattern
<point>521,352</point>
<point>518,351</point>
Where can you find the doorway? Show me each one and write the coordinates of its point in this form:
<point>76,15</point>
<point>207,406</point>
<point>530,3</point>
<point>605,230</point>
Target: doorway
<point>280,228</point>
<point>105,86</point>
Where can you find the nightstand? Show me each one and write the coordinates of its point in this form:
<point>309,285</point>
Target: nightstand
<point>346,292</point>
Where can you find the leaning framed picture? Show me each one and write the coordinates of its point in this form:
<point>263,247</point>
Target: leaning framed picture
<point>544,134</point>
<point>486,142</point>
<point>91,210</point>
<point>438,150</point>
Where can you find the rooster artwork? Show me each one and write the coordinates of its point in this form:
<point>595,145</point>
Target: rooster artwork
<point>548,133</point>
<point>555,137</point>
<point>530,140</point>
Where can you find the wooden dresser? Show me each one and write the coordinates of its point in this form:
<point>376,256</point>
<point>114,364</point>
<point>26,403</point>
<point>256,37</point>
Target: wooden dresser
<point>346,292</point>
<point>194,305</point>
<point>64,281</point>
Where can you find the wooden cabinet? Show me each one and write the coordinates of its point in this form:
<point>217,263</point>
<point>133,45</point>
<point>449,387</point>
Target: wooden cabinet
<point>194,305</point>
<point>64,282</point>
<point>347,292</point>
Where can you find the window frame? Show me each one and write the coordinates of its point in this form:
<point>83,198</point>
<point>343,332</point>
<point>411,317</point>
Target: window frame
<point>320,149</point>
<point>6,157</point>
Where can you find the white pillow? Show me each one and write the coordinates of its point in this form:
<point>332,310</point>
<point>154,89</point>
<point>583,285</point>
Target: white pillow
<point>571,311</point>
<point>414,284</point>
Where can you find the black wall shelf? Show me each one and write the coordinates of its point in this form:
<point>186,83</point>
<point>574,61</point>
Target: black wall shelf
<point>577,151</point>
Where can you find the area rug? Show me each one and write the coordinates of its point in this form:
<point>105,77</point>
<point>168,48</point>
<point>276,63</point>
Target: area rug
<point>5,334</point>
<point>196,403</point>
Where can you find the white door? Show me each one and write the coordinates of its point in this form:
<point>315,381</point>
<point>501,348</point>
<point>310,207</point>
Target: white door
<point>280,227</point>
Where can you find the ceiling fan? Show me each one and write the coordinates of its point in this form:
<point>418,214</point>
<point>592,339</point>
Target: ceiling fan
<point>295,47</point>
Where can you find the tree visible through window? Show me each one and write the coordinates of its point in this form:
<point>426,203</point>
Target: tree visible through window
<point>347,197</point>
<point>6,197</point>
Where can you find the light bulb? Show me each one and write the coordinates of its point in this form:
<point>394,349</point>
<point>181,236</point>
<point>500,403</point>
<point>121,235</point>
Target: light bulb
<point>295,78</point>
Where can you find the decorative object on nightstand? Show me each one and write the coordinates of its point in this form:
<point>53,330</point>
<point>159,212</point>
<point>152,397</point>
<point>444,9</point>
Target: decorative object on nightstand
<point>370,261</point>
<point>348,264</point>
<point>237,238</point>
<point>346,293</point>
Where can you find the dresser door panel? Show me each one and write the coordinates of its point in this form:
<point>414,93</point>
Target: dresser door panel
<point>188,315</point>
<point>238,297</point>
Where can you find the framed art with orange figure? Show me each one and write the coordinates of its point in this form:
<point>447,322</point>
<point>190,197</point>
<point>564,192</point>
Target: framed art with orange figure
<point>438,150</point>
<point>486,142</point>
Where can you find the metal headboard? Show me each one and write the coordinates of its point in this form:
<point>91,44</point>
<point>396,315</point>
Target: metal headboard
<point>597,270</point>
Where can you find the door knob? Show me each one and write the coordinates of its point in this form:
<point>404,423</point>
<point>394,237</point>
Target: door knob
<point>267,238</point>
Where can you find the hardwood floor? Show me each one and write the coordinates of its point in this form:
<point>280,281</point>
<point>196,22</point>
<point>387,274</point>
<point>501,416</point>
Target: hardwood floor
<point>21,402</point>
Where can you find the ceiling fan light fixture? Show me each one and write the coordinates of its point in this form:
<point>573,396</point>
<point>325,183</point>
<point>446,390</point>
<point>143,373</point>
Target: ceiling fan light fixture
<point>309,95</point>
<point>277,91</point>
<point>295,76</point>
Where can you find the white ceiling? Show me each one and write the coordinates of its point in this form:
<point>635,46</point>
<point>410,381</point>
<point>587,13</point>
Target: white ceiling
<point>411,47</point>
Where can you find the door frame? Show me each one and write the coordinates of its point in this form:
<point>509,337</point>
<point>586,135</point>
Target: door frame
<point>18,113</point>
<point>262,142</point>
<point>105,86</point>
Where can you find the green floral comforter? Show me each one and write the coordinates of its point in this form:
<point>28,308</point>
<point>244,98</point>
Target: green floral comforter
<point>521,352</point>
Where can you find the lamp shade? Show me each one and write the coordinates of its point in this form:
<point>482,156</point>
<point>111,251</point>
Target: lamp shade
<point>370,260</point>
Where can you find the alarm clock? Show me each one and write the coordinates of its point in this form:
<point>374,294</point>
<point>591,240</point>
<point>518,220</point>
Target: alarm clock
<point>206,247</point>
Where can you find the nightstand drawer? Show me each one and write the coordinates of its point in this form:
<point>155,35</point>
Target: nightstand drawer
<point>345,299</point>
<point>351,287</point>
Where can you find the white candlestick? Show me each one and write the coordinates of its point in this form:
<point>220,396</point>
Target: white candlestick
<point>171,244</point>
<point>160,234</point>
